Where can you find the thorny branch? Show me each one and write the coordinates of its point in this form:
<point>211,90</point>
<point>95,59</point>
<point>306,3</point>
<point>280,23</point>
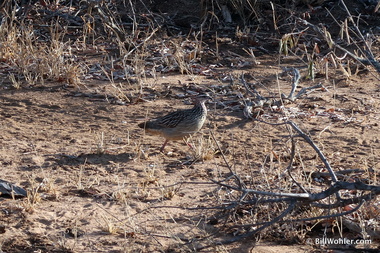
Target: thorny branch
<point>249,198</point>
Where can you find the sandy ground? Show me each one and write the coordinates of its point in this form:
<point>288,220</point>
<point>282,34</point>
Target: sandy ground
<point>97,183</point>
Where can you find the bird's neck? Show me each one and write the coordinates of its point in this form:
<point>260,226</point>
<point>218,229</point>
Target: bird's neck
<point>200,105</point>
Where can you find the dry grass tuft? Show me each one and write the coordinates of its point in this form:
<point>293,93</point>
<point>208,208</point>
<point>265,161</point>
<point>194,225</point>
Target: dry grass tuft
<point>204,148</point>
<point>33,59</point>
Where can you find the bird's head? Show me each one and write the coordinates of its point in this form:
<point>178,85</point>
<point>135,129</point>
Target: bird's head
<point>202,98</point>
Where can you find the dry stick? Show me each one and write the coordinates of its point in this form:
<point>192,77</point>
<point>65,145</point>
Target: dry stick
<point>340,203</point>
<point>275,194</point>
<point>290,208</point>
<point>316,149</point>
<point>313,196</point>
<point>240,182</point>
<point>309,141</point>
<point>305,90</point>
<point>142,43</point>
<point>369,61</point>
<point>253,92</point>
<point>289,168</point>
<point>334,189</point>
<point>264,225</point>
<point>307,219</point>
<point>355,26</point>
<point>321,195</point>
<point>310,89</point>
<point>370,58</point>
<point>341,173</point>
<point>296,79</point>
<point>345,202</point>
<point>293,201</point>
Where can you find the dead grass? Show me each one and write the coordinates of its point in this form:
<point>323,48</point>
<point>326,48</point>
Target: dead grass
<point>34,61</point>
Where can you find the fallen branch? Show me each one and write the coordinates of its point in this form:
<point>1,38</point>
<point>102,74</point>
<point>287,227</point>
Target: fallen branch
<point>258,100</point>
<point>250,199</point>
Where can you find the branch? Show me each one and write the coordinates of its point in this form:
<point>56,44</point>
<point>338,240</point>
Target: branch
<point>310,196</point>
<point>316,149</point>
<point>309,141</point>
<point>267,224</point>
<point>308,219</point>
<point>296,79</point>
<point>290,166</point>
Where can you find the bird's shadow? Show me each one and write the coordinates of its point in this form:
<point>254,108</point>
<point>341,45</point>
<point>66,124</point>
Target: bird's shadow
<point>239,123</point>
<point>102,159</point>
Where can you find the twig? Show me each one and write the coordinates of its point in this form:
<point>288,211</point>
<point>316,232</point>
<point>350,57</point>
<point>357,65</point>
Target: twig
<point>370,58</point>
<point>308,140</point>
<point>238,179</point>
<point>259,100</point>
<point>369,61</point>
<point>307,90</point>
<point>308,219</point>
<point>311,196</point>
<point>345,202</point>
<point>290,166</point>
<point>290,208</point>
<point>141,43</point>
<point>253,92</point>
<point>316,149</point>
<point>296,79</point>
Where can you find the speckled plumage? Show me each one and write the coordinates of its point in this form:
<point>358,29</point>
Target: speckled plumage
<point>179,124</point>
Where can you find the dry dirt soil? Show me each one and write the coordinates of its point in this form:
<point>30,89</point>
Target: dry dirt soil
<point>89,168</point>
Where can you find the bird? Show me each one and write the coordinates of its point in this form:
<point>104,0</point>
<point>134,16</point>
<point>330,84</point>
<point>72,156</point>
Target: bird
<point>179,124</point>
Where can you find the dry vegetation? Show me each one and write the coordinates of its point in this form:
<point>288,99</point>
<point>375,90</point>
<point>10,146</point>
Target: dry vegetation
<point>289,153</point>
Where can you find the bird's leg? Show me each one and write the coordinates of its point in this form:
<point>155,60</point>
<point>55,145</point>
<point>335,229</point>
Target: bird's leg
<point>163,146</point>
<point>188,144</point>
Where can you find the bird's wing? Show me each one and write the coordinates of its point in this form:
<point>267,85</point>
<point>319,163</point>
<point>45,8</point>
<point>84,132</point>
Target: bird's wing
<point>171,120</point>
